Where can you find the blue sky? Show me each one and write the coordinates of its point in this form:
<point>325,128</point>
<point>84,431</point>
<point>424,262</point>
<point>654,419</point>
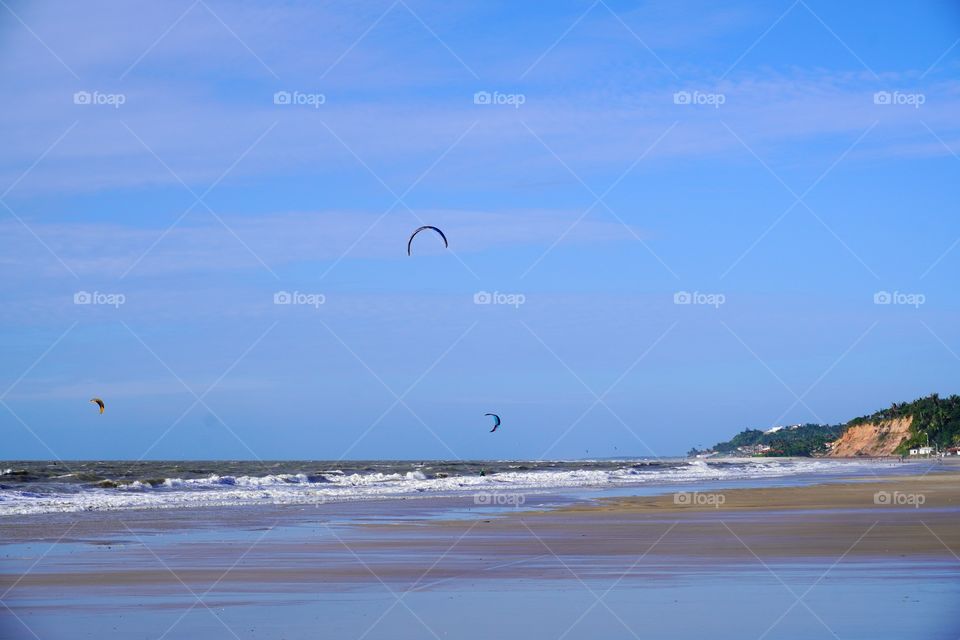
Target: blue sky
<point>814,166</point>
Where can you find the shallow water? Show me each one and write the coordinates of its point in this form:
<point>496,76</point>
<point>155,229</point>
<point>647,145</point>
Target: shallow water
<point>878,599</point>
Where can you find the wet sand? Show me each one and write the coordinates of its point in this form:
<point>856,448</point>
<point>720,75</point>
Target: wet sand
<point>906,528</point>
<point>894,517</point>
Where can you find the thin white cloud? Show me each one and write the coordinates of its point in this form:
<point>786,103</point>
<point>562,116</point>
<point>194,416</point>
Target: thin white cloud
<point>201,244</point>
<point>199,99</point>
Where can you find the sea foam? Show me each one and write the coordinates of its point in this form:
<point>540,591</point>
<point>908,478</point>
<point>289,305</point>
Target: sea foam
<point>300,488</point>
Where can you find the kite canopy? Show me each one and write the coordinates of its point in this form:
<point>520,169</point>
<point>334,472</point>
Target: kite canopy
<point>98,402</point>
<point>410,241</point>
<point>496,421</point>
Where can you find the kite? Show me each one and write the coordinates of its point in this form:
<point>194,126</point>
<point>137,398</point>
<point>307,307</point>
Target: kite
<point>410,241</point>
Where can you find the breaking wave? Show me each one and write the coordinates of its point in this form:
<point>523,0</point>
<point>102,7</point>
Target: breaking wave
<point>53,494</point>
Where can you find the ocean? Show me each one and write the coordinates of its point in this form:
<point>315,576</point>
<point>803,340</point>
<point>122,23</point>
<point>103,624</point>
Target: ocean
<point>39,487</point>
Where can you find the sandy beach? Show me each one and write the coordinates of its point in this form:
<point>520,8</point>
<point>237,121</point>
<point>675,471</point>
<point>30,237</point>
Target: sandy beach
<point>153,569</point>
<point>419,320</point>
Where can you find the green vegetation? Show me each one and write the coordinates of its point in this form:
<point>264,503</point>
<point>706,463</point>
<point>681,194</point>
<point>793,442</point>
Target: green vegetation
<point>934,417</point>
<point>936,421</point>
<point>801,440</point>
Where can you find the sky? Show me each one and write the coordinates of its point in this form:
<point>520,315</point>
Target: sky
<point>668,222</point>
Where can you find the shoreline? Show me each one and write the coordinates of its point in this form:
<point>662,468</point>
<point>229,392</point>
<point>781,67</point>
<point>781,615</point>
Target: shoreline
<point>897,517</point>
<point>292,486</point>
<point>824,520</point>
<point>664,567</point>
<point>18,528</point>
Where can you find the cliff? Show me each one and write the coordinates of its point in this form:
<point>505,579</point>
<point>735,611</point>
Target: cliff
<point>878,438</point>
<point>930,420</point>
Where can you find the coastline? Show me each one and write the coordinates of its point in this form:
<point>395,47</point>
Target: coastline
<point>793,521</point>
<point>343,564</point>
<point>37,488</point>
